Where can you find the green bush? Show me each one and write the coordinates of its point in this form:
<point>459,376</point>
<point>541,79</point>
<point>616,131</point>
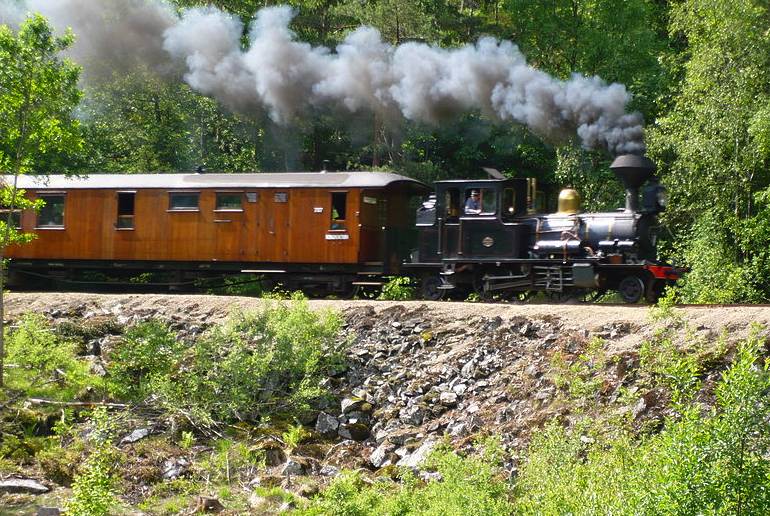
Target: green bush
<point>254,364</point>
<point>398,288</point>
<point>147,352</point>
<point>701,463</point>
<point>42,364</point>
<point>92,490</point>
<point>468,485</point>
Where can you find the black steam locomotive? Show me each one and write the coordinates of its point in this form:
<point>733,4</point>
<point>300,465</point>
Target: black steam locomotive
<point>485,236</point>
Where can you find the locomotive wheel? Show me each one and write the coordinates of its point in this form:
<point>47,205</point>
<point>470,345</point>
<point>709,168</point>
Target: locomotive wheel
<point>430,290</point>
<point>631,289</point>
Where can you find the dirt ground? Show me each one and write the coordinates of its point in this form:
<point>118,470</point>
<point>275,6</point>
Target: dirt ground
<point>735,320</point>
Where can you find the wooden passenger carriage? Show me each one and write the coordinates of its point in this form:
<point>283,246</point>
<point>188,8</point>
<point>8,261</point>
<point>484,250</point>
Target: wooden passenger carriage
<point>322,224</point>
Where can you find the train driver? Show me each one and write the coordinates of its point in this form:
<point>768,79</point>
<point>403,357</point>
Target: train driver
<point>472,204</point>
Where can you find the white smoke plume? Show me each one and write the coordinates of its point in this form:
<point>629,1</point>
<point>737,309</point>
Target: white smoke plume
<point>285,76</point>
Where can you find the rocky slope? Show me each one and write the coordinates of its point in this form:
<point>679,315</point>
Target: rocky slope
<point>420,372</point>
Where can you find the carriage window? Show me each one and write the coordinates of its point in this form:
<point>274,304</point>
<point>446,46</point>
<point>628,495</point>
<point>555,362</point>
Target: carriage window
<point>183,201</point>
<point>126,210</point>
<point>509,204</point>
<point>229,201</point>
<point>52,214</point>
<point>452,203</point>
<point>339,209</point>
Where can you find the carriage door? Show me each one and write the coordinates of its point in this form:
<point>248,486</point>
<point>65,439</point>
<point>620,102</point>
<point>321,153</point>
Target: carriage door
<point>277,249</point>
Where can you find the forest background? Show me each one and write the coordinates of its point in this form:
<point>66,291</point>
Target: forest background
<point>699,72</point>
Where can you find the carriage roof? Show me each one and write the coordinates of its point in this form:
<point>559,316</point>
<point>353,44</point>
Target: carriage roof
<point>225,181</point>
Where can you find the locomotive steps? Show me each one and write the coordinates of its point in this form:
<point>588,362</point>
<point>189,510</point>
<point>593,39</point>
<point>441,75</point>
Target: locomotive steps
<point>418,372</point>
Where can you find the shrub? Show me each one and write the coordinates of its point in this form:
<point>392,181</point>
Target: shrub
<point>146,352</point>
<point>467,485</point>
<point>92,490</point>
<point>398,288</point>
<point>44,364</point>
<point>701,463</point>
<point>254,364</point>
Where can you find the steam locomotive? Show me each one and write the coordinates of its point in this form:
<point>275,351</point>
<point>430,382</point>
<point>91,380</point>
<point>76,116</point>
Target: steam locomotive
<point>503,246</point>
<point>336,232</point>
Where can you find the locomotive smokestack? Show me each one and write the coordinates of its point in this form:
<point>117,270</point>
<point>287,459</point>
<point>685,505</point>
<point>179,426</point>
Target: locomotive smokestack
<point>633,170</point>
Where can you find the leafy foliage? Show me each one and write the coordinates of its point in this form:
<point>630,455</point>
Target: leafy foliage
<point>701,463</point>
<point>468,485</point>
<point>253,365</point>
<point>92,490</point>
<point>398,288</point>
<point>147,351</point>
<point>45,365</point>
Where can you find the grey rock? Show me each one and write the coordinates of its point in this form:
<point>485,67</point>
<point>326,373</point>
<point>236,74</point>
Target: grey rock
<point>354,431</point>
<point>381,456</point>
<point>415,459</point>
<point>459,429</point>
<point>48,511</point>
<point>326,425</point>
<point>175,468</point>
<point>329,471</point>
<point>431,476</point>
<point>413,415</point>
<point>448,399</point>
<point>460,389</point>
<point>293,467</point>
<point>22,485</point>
<point>355,405</point>
<point>136,435</point>
<point>357,417</point>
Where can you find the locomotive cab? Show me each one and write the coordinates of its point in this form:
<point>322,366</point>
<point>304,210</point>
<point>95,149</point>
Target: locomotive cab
<point>472,220</point>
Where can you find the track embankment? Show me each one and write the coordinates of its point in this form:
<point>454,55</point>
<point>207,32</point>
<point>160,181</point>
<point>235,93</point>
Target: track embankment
<point>420,372</point>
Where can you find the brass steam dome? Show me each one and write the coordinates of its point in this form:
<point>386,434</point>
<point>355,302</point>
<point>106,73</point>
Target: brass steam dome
<point>569,202</point>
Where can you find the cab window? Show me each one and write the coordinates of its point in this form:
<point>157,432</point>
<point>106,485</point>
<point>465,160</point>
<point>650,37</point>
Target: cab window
<point>488,201</point>
<point>452,203</point>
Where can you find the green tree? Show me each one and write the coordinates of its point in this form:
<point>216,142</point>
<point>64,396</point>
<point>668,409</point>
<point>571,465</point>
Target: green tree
<point>141,122</point>
<point>714,140</point>
<point>38,92</point>
<point>618,41</point>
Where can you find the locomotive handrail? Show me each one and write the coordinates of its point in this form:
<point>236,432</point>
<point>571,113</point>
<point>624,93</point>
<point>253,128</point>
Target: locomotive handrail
<point>440,243</point>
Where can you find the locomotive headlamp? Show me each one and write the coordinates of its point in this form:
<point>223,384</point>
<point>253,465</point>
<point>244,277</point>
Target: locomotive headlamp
<point>662,197</point>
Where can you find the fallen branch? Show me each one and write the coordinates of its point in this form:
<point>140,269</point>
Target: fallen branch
<point>38,401</point>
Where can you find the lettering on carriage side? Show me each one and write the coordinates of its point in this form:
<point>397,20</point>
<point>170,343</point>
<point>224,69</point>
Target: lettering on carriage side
<point>337,236</point>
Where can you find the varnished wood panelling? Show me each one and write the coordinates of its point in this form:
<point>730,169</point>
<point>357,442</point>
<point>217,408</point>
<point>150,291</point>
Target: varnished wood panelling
<point>265,231</point>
